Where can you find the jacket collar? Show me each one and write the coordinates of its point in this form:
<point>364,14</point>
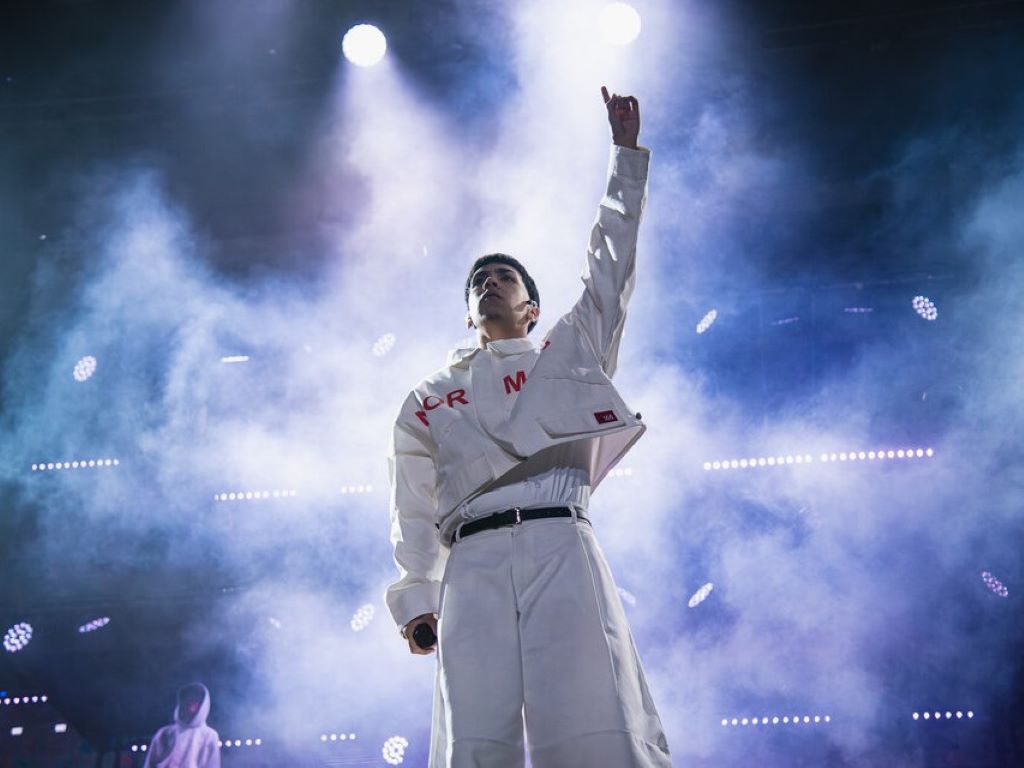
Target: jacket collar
<point>501,348</point>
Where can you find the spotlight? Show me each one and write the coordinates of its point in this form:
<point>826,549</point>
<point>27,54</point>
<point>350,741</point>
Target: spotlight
<point>235,359</point>
<point>707,321</point>
<point>17,730</point>
<point>701,595</point>
<point>362,618</point>
<point>620,23</point>
<point>994,584</point>
<point>384,344</point>
<point>60,728</point>
<point>17,637</point>
<point>394,750</point>
<point>84,368</point>
<point>364,45</point>
<point>925,307</point>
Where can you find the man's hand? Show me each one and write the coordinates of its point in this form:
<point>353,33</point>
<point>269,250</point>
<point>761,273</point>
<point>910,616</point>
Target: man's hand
<point>426,618</point>
<point>624,118</point>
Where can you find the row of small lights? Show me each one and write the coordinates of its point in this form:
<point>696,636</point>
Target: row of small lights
<point>785,720</point>
<point>8,701</point>
<point>938,715</point>
<point>254,495</point>
<point>92,626</point>
<point>825,458</point>
<point>357,489</point>
<point>621,472</point>
<point>240,743</point>
<point>337,737</point>
<point>82,464</point>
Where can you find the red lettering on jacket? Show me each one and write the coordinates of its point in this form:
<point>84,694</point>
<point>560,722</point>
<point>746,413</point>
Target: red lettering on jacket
<point>605,417</point>
<point>517,384</point>
<point>430,402</point>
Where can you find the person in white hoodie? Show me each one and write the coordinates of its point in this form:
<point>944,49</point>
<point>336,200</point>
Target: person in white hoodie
<point>493,461</point>
<point>188,742</point>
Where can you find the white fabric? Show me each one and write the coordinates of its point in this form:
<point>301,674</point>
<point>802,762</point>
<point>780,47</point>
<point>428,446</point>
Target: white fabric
<point>531,624</point>
<point>463,429</point>
<point>186,744</point>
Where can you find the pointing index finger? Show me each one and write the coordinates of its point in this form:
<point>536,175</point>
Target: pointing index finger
<point>604,94</point>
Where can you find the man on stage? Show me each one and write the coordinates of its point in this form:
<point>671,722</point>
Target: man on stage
<point>493,461</point>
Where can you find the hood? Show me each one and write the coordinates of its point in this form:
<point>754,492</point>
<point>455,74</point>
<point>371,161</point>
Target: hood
<point>204,708</point>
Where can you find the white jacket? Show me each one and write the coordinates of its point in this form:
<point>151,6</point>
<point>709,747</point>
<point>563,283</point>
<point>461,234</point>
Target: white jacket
<point>452,439</point>
<point>186,743</point>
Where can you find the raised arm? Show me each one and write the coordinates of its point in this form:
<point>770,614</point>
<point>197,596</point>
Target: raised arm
<point>610,271</point>
<point>417,550</point>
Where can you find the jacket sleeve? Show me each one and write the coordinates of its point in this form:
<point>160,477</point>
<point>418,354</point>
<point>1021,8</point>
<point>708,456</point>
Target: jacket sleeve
<point>211,752</point>
<point>610,271</point>
<point>417,546</point>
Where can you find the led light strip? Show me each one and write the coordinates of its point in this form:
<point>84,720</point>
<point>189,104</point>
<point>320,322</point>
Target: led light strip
<point>362,618</point>
<point>235,359</point>
<point>995,584</point>
<point>253,495</point>
<point>337,737</point>
<point>825,458</point>
<point>776,720</point>
<point>81,464</point>
<point>958,715</point>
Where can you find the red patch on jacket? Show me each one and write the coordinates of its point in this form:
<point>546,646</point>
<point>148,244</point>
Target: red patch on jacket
<point>605,417</point>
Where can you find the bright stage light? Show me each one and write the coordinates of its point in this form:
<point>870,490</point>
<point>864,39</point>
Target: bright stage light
<point>362,618</point>
<point>394,750</point>
<point>701,595</point>
<point>235,359</point>
<point>84,368</point>
<point>17,637</point>
<point>364,45</point>
<point>621,472</point>
<point>92,626</point>
<point>994,584</point>
<point>707,321</point>
<point>925,307</point>
<point>17,730</point>
<point>620,23</point>
<point>384,344</point>
<point>60,728</point>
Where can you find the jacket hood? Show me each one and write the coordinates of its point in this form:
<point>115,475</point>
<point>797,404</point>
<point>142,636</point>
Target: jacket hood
<point>201,714</point>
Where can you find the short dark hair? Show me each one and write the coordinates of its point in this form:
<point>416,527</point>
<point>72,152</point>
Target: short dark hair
<point>504,258</point>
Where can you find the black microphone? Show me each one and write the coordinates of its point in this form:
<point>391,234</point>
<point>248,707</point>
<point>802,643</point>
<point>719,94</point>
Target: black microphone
<point>424,636</point>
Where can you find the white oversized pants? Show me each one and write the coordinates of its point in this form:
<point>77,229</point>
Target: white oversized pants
<point>531,625</point>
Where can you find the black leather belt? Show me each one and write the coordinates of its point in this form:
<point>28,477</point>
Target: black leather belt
<point>513,516</point>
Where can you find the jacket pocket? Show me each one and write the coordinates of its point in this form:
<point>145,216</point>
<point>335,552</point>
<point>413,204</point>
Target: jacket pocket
<point>590,420</point>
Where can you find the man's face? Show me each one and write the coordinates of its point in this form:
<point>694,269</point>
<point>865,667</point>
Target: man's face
<point>497,294</point>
